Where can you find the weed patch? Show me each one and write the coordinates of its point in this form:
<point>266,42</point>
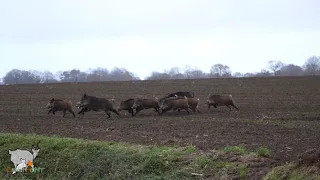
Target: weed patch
<point>263,152</point>
<point>293,172</point>
<point>235,149</point>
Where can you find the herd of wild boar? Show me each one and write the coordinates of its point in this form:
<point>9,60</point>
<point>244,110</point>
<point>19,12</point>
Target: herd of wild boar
<point>175,101</point>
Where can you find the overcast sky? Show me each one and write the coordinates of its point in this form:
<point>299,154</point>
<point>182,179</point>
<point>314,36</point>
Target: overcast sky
<point>152,35</point>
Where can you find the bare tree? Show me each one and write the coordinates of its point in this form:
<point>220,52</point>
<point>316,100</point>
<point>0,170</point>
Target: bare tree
<point>275,66</point>
<point>291,70</point>
<point>173,71</point>
<point>99,74</point>
<point>238,74</point>
<point>74,75</point>
<point>178,76</point>
<point>197,74</point>
<point>121,74</point>
<point>47,77</point>
<point>312,66</point>
<point>187,71</point>
<point>158,76</point>
<point>17,76</point>
<point>249,75</point>
<point>263,73</point>
<point>220,70</point>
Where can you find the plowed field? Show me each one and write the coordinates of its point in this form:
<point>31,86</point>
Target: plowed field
<point>281,113</point>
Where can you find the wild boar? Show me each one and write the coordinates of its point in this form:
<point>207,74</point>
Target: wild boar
<point>140,104</point>
<point>179,94</point>
<point>60,105</point>
<point>177,103</point>
<point>194,104</point>
<point>92,103</point>
<point>221,100</point>
<point>127,105</point>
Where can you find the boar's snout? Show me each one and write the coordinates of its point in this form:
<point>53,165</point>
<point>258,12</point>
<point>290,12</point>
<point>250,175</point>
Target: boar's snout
<point>49,105</point>
<point>79,104</point>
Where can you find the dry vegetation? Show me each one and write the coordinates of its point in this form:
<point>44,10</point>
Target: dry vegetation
<point>280,113</point>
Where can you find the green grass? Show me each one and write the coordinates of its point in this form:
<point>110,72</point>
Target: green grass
<point>292,171</point>
<point>243,170</point>
<point>67,158</point>
<point>203,162</point>
<point>263,152</point>
<point>236,149</point>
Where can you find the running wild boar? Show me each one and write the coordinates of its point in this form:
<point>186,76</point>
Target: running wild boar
<point>221,100</point>
<point>127,105</point>
<point>92,103</point>
<point>141,104</point>
<point>60,105</point>
<point>177,103</point>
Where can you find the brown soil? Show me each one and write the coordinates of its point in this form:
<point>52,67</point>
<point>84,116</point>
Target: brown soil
<point>280,113</point>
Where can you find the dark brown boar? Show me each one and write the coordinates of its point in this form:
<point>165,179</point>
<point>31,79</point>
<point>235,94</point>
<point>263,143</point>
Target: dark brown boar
<point>221,100</point>
<point>92,103</point>
<point>60,105</point>
<point>179,94</point>
<point>141,104</point>
<point>127,105</point>
<point>174,104</point>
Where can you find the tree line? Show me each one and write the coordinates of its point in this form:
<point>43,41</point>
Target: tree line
<point>275,68</point>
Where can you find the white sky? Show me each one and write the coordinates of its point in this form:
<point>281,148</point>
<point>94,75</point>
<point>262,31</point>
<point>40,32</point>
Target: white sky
<point>144,36</point>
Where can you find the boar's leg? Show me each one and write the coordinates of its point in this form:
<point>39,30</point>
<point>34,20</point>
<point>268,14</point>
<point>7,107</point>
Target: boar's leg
<point>82,111</point>
<point>64,112</point>
<point>131,111</point>
<point>72,112</point>
<point>49,111</point>
<point>208,104</point>
<point>138,109</point>
<point>157,110</point>
<point>235,107</point>
<point>176,109</point>
<point>115,111</point>
<point>164,110</point>
<point>108,113</point>
<point>192,108</point>
<point>52,110</point>
<point>195,109</point>
<point>187,110</point>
